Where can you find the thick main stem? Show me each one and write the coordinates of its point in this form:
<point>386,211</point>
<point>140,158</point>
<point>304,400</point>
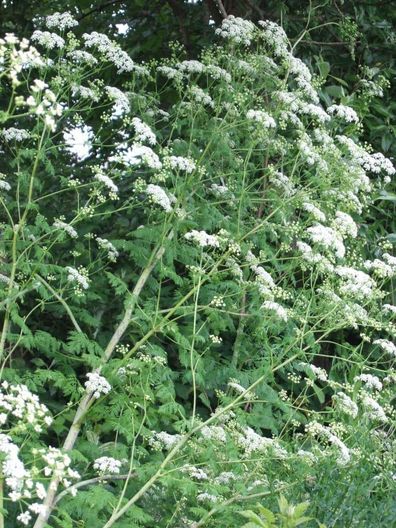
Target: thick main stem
<point>84,404</point>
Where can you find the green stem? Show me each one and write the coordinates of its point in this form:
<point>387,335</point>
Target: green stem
<point>1,502</point>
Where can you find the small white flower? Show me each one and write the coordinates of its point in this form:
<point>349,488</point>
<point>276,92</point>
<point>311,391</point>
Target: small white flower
<point>5,186</point>
<point>107,182</point>
<point>143,132</point>
<point>164,440</point>
<point>328,238</point>
<point>121,102</point>
<point>344,112</point>
<point>48,40</point>
<point>105,244</point>
<point>370,381</point>
<point>138,154</point>
<point>15,134</point>
<point>59,224</point>
<point>345,404</point>
<point>78,277</point>
<point>97,384</point>
<point>237,30</point>
<point>202,238</point>
<point>279,310</point>
<point>78,141</point>
<point>314,211</point>
<point>24,518</point>
<point>107,465</point>
<point>179,163</point>
<point>261,117</point>
<point>387,346</point>
<point>60,21</point>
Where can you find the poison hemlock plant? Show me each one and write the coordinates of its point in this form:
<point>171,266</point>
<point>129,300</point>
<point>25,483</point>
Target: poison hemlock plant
<point>192,316</point>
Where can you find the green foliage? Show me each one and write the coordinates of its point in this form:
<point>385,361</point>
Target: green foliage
<point>194,282</point>
<point>289,516</point>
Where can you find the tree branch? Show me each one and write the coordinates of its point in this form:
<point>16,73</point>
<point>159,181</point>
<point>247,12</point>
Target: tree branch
<point>84,483</point>
<point>99,8</point>
<point>221,8</point>
<point>86,401</point>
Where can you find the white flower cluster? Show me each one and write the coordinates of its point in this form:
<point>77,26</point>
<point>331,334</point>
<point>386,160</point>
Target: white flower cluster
<point>84,92</point>
<point>4,279</point>
<point>218,73</point>
<point>317,429</point>
<point>214,433</point>
<point>219,190</point>
<point>105,244</point>
<point>240,389</point>
<point>382,268</point>
<point>5,186</point>
<point>18,402</point>
<point>159,197</point>
<point>315,112</point>
<point>370,381</point>
<point>192,66</point>
<point>265,282</point>
<point>373,410</point>
<point>195,473</point>
<point>389,308</point>
<point>82,57</point>
<point>107,465</point>
<point>282,182</point>
<point>314,211</point>
<point>21,58</point>
<point>344,112</point>
<point>78,276</point>
<point>44,103</point>
<point>12,468</point>
<point>164,440</point>
<point>250,441</point>
<point>355,283</point>
<point>59,224</point>
<point>345,224</point>
<point>143,132</point>
<point>170,73</point>
<point>200,96</point>
<point>202,238</point>
<point>237,30</point>
<point>309,154</point>
<point>279,310</point>
<point>107,182</point>
<point>345,404</point>
<point>78,141</point>
<point>111,51</point>
<point>275,37</point>
<point>48,40</point>
<point>261,117</point>
<point>15,134</point>
<point>375,163</point>
<point>207,497</point>
<point>386,346</point>
<point>60,21</point>
<point>179,163</point>
<point>121,104</point>
<point>225,477</point>
<point>328,238</point>
<point>97,384</point>
<point>20,481</point>
<point>138,154</point>
<point>58,464</point>
<point>318,372</point>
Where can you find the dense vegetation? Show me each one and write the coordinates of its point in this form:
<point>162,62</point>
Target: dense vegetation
<point>197,261</point>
